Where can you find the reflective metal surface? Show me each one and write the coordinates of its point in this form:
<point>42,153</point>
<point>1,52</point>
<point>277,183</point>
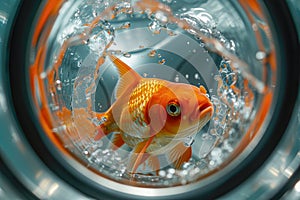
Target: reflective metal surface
<point>278,169</point>
<point>16,153</point>
<point>38,180</point>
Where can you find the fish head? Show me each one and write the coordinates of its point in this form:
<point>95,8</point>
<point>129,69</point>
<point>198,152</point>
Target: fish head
<point>183,109</point>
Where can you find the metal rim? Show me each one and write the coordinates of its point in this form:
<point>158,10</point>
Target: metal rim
<point>284,29</point>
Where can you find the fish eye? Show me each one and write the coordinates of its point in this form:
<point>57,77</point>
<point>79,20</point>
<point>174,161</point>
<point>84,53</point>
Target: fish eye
<point>173,109</point>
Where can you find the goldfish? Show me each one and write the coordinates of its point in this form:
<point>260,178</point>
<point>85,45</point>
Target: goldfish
<point>154,117</point>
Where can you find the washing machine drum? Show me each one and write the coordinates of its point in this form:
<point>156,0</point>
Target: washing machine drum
<point>153,100</point>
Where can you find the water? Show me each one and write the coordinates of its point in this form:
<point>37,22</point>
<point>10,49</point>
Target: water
<point>184,47</point>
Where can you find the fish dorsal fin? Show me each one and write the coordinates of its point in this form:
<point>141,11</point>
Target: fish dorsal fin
<point>128,77</point>
<point>202,89</point>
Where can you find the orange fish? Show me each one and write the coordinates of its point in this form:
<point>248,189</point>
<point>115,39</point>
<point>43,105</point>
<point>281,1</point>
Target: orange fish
<point>154,117</point>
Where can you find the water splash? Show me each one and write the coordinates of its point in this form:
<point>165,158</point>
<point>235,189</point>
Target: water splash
<point>214,44</point>
<point>98,34</point>
<point>228,77</point>
<point>155,27</point>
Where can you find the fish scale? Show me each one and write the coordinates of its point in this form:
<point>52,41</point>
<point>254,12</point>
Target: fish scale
<point>139,98</point>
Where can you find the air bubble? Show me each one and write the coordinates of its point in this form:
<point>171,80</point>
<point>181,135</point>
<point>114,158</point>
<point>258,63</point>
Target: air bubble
<point>43,75</point>
<point>171,33</point>
<point>152,53</point>
<point>103,119</point>
<point>145,75</point>
<point>126,25</point>
<point>183,181</point>
<point>86,153</point>
<point>123,7</point>
<point>59,129</point>
<point>171,171</point>
<point>58,85</point>
<point>127,55</point>
<point>155,27</point>
<point>189,141</point>
<point>254,27</point>
<point>186,165</point>
<point>260,55</point>
<point>206,136</point>
<point>228,77</point>
<point>167,1</point>
<point>54,107</point>
<point>162,61</point>
<point>161,17</point>
<point>162,173</point>
<point>169,176</point>
<point>101,36</point>
<point>212,162</point>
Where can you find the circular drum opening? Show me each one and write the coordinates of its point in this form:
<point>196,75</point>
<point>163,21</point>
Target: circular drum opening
<point>153,98</point>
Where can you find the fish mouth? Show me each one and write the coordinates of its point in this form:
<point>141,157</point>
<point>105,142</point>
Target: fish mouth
<point>202,111</point>
<point>206,109</point>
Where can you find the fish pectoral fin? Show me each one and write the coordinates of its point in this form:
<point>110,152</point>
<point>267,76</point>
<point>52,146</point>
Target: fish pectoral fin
<point>154,163</point>
<point>139,154</point>
<point>117,141</point>
<point>180,154</point>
